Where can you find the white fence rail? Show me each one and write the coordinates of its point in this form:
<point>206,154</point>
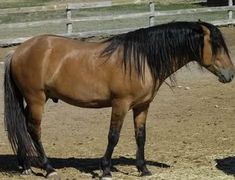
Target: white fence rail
<point>151,14</point>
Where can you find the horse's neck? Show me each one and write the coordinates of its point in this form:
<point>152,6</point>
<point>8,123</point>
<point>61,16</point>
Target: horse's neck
<point>176,66</point>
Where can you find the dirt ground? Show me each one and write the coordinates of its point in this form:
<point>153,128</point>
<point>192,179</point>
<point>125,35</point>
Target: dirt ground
<point>190,133</point>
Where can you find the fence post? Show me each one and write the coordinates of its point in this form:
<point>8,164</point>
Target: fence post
<point>152,10</point>
<point>230,12</point>
<point>69,25</point>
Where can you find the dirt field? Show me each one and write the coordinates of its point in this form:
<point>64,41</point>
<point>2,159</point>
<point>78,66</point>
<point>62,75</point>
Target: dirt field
<point>190,133</point>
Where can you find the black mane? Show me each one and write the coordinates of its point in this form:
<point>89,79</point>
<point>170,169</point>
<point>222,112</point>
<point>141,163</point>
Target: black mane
<point>217,40</point>
<point>165,47</point>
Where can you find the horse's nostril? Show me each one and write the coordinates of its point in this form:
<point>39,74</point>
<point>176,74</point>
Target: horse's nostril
<point>232,76</point>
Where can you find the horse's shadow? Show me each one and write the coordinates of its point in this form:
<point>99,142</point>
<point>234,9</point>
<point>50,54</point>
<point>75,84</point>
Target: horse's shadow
<point>8,164</point>
<point>227,165</point>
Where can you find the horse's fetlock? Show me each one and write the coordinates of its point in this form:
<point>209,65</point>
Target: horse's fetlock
<point>140,164</point>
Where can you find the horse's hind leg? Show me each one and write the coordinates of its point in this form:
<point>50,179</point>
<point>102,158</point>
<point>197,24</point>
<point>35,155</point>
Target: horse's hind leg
<point>119,110</point>
<point>34,112</point>
<point>140,115</point>
<point>23,161</point>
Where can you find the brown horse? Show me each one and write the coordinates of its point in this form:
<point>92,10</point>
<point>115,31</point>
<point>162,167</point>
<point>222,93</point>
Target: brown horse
<point>123,72</point>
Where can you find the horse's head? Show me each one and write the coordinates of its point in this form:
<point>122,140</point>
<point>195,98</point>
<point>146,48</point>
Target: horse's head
<point>215,55</point>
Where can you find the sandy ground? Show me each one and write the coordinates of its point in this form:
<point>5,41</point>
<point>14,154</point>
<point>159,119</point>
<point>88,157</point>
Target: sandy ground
<point>190,133</point>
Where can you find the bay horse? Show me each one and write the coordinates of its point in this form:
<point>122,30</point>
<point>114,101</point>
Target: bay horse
<point>123,72</point>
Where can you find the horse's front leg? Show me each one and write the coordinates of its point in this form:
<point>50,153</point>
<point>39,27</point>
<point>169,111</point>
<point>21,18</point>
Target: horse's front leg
<point>140,115</point>
<point>119,110</point>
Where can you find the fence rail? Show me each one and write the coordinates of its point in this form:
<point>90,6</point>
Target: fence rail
<point>33,9</point>
<point>69,20</point>
<point>194,11</point>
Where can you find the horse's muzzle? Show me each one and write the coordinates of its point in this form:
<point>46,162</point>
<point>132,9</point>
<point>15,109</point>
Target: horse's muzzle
<point>226,75</point>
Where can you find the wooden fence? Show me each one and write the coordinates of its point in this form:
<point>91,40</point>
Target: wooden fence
<point>151,15</point>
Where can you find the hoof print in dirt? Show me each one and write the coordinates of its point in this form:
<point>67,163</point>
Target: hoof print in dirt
<point>106,178</point>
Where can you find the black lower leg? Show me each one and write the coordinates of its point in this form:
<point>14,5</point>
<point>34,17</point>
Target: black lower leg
<point>140,135</point>
<point>23,161</point>
<point>113,138</point>
<point>44,162</point>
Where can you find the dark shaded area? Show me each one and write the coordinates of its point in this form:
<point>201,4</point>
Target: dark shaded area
<point>204,4</point>
<point>8,164</point>
<point>227,165</point>
<point>218,2</point>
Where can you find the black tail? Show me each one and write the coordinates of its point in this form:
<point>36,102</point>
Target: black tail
<point>15,119</point>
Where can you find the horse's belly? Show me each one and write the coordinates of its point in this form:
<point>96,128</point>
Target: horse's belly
<point>95,103</point>
<point>92,96</point>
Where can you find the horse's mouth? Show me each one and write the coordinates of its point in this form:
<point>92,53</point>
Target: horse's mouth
<point>224,75</point>
<point>223,79</point>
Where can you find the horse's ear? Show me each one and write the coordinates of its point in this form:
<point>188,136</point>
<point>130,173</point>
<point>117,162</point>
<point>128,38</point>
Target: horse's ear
<point>207,50</point>
<point>206,31</point>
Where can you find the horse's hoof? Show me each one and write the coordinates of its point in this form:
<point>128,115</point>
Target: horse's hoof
<point>27,172</point>
<point>146,173</point>
<point>53,176</point>
<point>106,176</point>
